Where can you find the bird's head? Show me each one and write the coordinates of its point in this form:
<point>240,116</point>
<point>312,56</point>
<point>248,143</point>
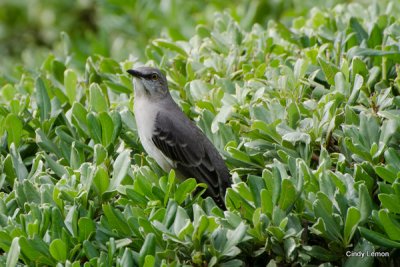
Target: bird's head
<point>149,81</point>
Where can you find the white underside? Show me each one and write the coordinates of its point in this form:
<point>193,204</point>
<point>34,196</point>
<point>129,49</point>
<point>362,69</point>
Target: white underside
<point>145,114</point>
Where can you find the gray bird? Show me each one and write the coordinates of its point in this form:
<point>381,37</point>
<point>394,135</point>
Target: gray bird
<point>172,139</point>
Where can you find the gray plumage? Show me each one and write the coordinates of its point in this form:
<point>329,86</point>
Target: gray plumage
<point>172,139</point>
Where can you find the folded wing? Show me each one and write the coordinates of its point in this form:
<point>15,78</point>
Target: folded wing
<point>191,151</point>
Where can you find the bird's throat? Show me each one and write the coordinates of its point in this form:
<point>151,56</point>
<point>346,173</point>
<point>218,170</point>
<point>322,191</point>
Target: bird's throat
<point>140,89</point>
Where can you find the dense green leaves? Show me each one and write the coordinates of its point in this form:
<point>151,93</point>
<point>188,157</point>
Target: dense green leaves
<point>304,112</point>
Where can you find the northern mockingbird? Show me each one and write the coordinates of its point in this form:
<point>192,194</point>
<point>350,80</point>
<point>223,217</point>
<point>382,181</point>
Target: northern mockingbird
<point>172,139</point>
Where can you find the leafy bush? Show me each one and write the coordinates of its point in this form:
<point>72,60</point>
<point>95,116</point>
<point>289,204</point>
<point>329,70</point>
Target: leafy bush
<point>306,117</point>
<point>115,28</point>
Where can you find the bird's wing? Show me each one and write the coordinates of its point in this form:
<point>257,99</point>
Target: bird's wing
<point>180,140</point>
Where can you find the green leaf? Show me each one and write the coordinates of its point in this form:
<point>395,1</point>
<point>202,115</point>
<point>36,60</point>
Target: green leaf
<point>172,207</point>
<point>13,253</point>
<point>120,169</point>
<point>321,253</point>
<point>26,192</point>
<point>149,261</point>
<point>101,180</point>
<point>116,220</point>
<point>368,52</point>
<point>300,68</point>
<point>388,173</point>
<point>358,82</point>
<point>79,117</point>
<point>181,221</point>
<point>201,226</point>
<point>375,37</point>
<point>221,117</point>
<point>56,167</point>
<point>238,202</point>
<point>70,84</point>
<point>256,184</point>
<point>127,258</point>
<point>117,125</point>
<point>136,197</point>
<point>100,154</point>
<point>392,157</point>
<point>353,217</point>
<point>391,225</point>
<point>94,127</point>
<point>98,101</point>
<point>198,89</point>
<point>57,223</point>
<point>36,250</point>
<point>144,186</point>
<point>377,238</point>
<point>269,129</point>
<point>274,183</point>
<point>13,125</point>
<point>390,201</point>
<point>288,195</point>
<point>71,221</point>
<point>369,129</point>
<point>373,77</point>
<point>107,129</point>
<point>170,46</point>
<point>58,250</point>
<point>58,69</point>
<point>329,69</point>
<point>170,183</point>
<point>293,113</point>
<point>128,120</point>
<point>46,144</point>
<point>266,202</point>
<point>365,202</point>
<point>359,67</point>
<point>234,237</point>
<point>90,251</point>
<point>8,92</point>
<point>148,248</point>
<point>202,31</point>
<point>118,88</point>
<point>361,34</point>
<point>75,159</point>
<point>19,167</point>
<point>295,137</point>
<point>184,188</point>
<point>323,208</point>
<point>86,228</point>
<point>388,129</point>
<point>43,100</point>
<point>341,85</point>
<point>239,155</point>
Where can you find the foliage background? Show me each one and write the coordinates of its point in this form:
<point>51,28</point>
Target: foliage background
<point>116,28</point>
<point>301,98</point>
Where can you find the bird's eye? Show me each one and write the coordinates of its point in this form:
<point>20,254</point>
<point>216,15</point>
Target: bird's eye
<point>154,77</point>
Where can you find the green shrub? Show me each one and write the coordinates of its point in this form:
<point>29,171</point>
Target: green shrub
<point>306,117</point>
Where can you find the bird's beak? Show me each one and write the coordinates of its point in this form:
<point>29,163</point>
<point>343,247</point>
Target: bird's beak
<point>135,73</point>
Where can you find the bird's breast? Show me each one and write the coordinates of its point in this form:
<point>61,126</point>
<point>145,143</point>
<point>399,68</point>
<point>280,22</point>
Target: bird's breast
<point>145,115</point>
